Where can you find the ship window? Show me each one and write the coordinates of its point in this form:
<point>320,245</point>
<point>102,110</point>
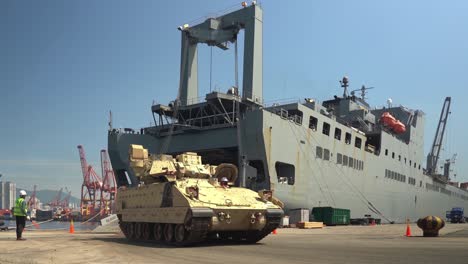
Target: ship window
<point>313,122</point>
<point>345,160</point>
<point>410,163</point>
<point>414,165</point>
<point>326,154</point>
<point>337,133</point>
<point>350,162</point>
<point>318,152</point>
<point>362,165</point>
<point>339,158</point>
<point>399,158</point>
<point>285,173</point>
<point>393,155</point>
<point>356,164</point>
<point>419,167</point>
<point>326,128</point>
<point>357,142</point>
<point>420,183</point>
<point>348,138</point>
<point>386,152</point>
<point>405,160</point>
<point>386,173</point>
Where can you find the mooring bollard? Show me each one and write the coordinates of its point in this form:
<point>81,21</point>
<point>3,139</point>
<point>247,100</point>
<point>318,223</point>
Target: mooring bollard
<point>431,225</point>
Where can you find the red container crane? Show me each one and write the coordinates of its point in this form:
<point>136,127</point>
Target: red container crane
<point>109,185</point>
<point>32,202</point>
<point>90,203</point>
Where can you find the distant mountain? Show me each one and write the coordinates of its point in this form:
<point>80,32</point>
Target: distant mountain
<point>47,195</point>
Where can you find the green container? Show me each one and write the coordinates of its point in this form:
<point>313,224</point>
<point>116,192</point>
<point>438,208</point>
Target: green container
<point>331,216</point>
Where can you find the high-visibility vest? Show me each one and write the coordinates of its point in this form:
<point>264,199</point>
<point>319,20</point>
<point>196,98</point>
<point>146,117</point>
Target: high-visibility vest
<point>20,207</point>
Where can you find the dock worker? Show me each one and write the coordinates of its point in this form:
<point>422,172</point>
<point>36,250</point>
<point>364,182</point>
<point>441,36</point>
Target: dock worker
<point>20,211</point>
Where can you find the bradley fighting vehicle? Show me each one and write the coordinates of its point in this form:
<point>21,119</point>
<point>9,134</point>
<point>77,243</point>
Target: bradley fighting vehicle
<point>181,201</point>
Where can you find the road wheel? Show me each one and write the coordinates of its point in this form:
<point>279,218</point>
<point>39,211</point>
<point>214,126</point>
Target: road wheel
<point>131,230</point>
<point>180,234</point>
<point>138,230</point>
<point>169,233</point>
<point>158,232</point>
<point>147,231</point>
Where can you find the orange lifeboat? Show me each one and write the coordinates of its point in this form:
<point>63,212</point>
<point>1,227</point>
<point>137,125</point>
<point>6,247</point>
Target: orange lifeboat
<point>391,122</point>
<point>399,127</point>
<point>388,120</point>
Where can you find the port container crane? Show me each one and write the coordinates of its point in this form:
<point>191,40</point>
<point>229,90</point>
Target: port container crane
<point>109,185</point>
<point>90,189</point>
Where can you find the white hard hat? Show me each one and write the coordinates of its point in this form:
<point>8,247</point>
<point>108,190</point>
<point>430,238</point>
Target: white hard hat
<point>23,193</point>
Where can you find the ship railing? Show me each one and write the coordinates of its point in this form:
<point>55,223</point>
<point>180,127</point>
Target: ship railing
<point>284,114</point>
<point>273,103</point>
<point>216,14</point>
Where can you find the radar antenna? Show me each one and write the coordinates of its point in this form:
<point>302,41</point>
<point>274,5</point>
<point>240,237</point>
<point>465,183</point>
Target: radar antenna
<point>363,90</point>
<point>344,83</point>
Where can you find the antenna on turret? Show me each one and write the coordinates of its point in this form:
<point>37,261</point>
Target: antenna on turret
<point>344,84</point>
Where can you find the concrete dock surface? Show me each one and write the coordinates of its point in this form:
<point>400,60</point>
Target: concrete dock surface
<point>341,244</point>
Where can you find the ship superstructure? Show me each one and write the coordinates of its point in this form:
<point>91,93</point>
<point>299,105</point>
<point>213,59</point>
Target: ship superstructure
<point>340,152</point>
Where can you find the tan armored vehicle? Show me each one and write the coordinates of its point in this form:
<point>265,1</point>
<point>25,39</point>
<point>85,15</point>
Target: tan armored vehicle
<point>181,201</point>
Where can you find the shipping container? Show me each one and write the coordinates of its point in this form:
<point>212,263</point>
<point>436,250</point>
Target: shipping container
<point>331,216</point>
<point>299,215</point>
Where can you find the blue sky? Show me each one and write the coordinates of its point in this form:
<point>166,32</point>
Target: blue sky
<point>65,64</point>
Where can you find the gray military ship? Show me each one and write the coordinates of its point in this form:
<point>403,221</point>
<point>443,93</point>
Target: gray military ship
<point>340,152</point>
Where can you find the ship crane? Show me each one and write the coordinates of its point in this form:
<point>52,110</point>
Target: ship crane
<point>32,202</point>
<point>448,166</point>
<point>90,189</point>
<point>55,202</point>
<point>109,185</point>
<point>433,156</point>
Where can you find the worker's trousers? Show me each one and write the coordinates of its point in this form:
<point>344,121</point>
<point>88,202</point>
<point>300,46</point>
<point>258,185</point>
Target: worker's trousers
<point>20,223</point>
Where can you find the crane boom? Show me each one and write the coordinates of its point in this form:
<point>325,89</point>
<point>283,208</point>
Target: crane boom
<point>433,156</point>
<point>84,163</point>
<point>32,202</point>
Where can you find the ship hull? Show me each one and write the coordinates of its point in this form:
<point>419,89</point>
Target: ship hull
<point>284,156</point>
